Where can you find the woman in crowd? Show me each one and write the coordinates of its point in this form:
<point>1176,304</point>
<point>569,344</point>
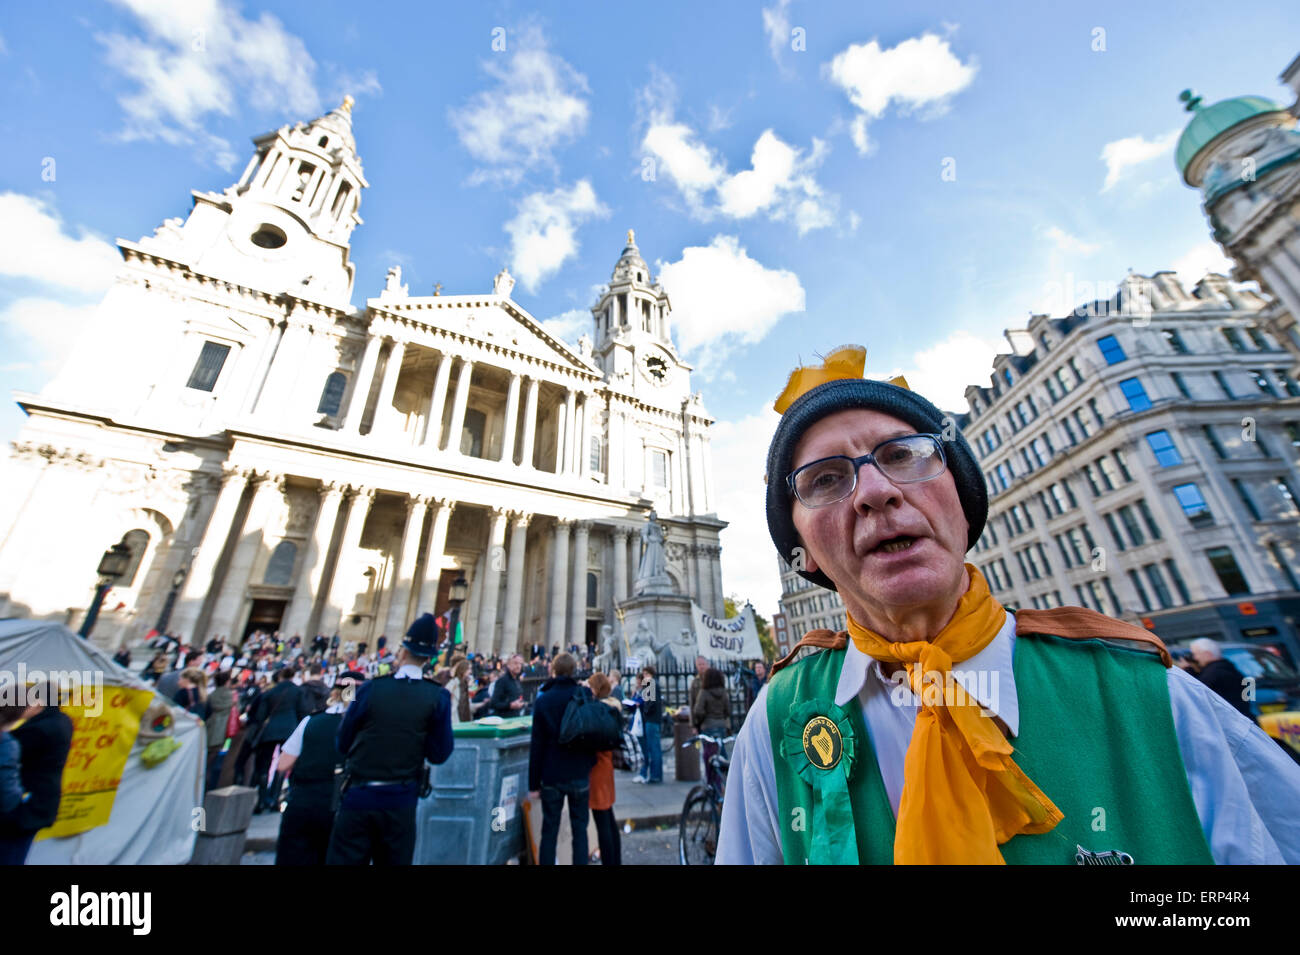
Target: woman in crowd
<point>711,714</point>
<point>647,697</point>
<point>459,689</point>
<point>602,782</point>
<point>193,692</point>
<point>220,702</point>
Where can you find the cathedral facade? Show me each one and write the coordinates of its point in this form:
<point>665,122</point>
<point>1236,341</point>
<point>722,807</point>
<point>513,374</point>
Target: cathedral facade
<point>275,458</point>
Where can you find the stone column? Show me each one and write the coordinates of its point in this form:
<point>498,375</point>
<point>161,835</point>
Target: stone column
<point>583,464</point>
<point>441,509</point>
<point>383,422</point>
<point>298,616</point>
<point>230,604</point>
<point>559,577</point>
<point>361,385</point>
<point>362,497</point>
<point>715,565</point>
<point>433,432</point>
<point>514,583</point>
<point>572,431</point>
<point>614,454</point>
<point>405,569</point>
<point>561,435</point>
<point>578,627</point>
<point>258,384</point>
<point>697,585</point>
<point>530,424</point>
<point>512,418</point>
<point>618,539</point>
<point>198,581</point>
<point>633,556</point>
<point>492,568</point>
<point>276,403</point>
<point>458,409</point>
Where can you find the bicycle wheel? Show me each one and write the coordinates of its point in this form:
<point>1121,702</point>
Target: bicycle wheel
<point>697,841</point>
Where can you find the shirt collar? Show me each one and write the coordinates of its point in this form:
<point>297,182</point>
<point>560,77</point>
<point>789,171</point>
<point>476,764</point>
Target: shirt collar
<point>996,659</point>
<point>409,671</point>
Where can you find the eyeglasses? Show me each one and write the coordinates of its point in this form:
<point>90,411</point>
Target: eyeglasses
<point>910,459</point>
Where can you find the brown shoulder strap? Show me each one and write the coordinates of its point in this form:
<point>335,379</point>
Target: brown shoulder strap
<point>821,639</point>
<point>1080,623</point>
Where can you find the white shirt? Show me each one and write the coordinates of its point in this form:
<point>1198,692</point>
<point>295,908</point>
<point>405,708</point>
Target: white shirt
<point>1244,787</point>
<point>293,745</point>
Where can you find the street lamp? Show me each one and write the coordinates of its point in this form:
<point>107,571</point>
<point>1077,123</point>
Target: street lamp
<point>165,617</point>
<point>455,596</point>
<point>111,568</point>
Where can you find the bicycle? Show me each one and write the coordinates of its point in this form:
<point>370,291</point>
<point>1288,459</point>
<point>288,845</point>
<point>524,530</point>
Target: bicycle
<point>701,819</point>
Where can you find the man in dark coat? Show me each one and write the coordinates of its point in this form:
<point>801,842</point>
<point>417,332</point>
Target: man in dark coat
<point>273,718</point>
<point>314,689</point>
<point>556,772</point>
<point>508,693</point>
<point>45,740</point>
<point>395,724</point>
<point>1220,675</point>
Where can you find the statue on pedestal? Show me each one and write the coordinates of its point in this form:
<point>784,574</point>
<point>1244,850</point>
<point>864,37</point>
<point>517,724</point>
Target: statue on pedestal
<point>651,575</point>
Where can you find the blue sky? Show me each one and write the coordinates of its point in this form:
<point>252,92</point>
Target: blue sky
<point>913,178</point>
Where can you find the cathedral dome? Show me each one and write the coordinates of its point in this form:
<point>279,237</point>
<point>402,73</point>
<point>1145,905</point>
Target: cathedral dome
<point>339,122</point>
<point>630,265</point>
<point>1209,122</point>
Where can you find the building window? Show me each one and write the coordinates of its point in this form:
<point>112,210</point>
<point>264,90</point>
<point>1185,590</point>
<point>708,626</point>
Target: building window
<point>597,461</point>
<point>1114,601</point>
<point>1069,431</point>
<point>1288,383</point>
<point>1078,375</point>
<point>1283,566</point>
<point>1262,445</point>
<point>1158,585</point>
<point>1284,489</point>
<point>1246,499</point>
<point>1192,503</point>
<point>1075,539</point>
<point>471,433</point>
<point>1136,581</point>
<point>1122,462</point>
<point>1162,446</point>
<point>1174,341</point>
<point>1113,527</point>
<point>1213,440</point>
<point>1135,393</point>
<point>1255,336</point>
<point>1065,554</point>
<point>1131,525</point>
<point>593,589</point>
<point>1111,350</point>
<point>658,468</point>
<point>1006,376</point>
<point>1177,578</point>
<point>1229,574</point>
<point>1092,480</point>
<point>1234,339</point>
<point>1042,554</point>
<point>1223,384</point>
<point>1109,475</point>
<point>1078,420</point>
<point>1096,413</point>
<point>1051,390</point>
<point>331,397</point>
<point>1062,380</point>
<point>208,368</point>
<point>1180,385</point>
<point>1152,526</point>
<point>279,569</point>
<point>1262,383</point>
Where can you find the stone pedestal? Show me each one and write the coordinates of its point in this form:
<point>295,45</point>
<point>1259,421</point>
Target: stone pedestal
<point>653,624</point>
<point>226,815</point>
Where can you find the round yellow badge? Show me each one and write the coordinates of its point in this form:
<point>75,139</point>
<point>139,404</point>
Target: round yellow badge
<point>822,743</point>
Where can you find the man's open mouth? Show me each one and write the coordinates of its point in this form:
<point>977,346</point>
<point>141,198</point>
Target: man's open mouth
<point>894,544</point>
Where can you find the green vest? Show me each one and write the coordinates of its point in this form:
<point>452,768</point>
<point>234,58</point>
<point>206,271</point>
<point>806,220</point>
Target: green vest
<point>1096,735</point>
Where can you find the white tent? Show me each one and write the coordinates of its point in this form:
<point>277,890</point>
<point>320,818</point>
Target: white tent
<point>153,819</point>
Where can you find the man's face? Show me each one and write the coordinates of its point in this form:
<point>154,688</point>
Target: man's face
<point>516,665</point>
<point>843,540</point>
<point>701,665</point>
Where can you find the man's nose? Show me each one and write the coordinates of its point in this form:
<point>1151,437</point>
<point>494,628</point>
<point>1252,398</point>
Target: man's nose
<point>874,490</point>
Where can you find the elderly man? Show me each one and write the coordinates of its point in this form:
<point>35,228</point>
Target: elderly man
<point>943,729</point>
<point>1219,674</point>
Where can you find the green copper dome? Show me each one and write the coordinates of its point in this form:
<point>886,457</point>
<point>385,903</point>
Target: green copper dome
<point>1209,121</point>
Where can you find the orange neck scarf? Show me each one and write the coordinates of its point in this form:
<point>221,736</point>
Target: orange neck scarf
<point>963,795</point>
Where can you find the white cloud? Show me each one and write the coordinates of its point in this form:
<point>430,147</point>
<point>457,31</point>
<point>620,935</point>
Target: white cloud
<point>1069,243</point>
<point>919,73</point>
<point>776,22</point>
<point>34,246</point>
<point>202,58</point>
<point>780,183</point>
<point>749,560</point>
<point>543,233</point>
<point>1122,154</point>
<point>722,298</point>
<point>567,326</point>
<point>943,371</point>
<point>536,105</point>
<point>1198,260</point>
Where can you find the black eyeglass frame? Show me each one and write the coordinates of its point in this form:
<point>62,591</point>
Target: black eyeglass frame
<point>868,458</point>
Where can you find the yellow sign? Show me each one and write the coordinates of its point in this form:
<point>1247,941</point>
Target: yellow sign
<point>1284,727</point>
<point>101,744</point>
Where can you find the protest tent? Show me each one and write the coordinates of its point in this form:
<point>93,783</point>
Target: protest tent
<point>115,809</point>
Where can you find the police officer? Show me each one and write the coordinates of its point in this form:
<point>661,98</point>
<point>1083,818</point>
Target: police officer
<point>394,725</point>
<point>313,756</point>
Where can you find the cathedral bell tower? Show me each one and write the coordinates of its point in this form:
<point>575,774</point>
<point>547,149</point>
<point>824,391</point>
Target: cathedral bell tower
<point>633,334</point>
<point>285,226</point>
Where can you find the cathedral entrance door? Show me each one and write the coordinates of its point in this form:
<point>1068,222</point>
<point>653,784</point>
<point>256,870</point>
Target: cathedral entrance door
<point>265,616</point>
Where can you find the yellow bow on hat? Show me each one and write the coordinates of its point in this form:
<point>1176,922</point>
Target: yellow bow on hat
<point>847,361</point>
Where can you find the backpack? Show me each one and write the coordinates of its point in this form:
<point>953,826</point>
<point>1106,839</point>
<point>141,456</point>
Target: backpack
<point>589,725</point>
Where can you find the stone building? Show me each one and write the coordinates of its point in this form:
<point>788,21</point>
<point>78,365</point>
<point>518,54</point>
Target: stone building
<point>1141,456</point>
<point>1243,155</point>
<point>274,457</point>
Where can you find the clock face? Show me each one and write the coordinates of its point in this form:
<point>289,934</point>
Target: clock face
<point>656,369</point>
